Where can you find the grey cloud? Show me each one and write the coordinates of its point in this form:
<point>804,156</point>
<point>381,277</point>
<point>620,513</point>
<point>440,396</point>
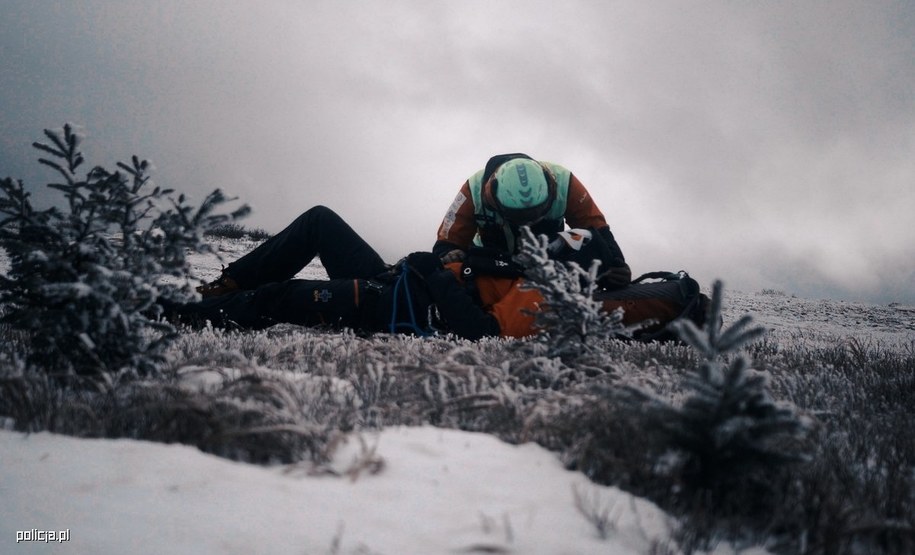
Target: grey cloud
<point>766,144</point>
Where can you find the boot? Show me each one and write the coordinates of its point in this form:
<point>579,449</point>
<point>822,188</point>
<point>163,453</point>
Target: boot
<point>216,288</point>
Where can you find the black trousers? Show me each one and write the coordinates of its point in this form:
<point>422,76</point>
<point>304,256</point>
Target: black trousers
<point>319,231</point>
<point>269,295</point>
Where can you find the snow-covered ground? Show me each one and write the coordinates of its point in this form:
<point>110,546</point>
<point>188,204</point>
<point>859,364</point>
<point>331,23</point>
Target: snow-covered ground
<point>399,491</point>
<point>820,323</point>
<point>437,491</point>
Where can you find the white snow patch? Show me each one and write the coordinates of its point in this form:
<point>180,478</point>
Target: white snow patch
<point>438,491</point>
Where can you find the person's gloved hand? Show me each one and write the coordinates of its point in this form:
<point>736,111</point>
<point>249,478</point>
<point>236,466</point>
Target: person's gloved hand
<point>615,278</point>
<point>424,263</point>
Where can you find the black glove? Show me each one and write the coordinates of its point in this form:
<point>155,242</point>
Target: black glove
<point>424,263</point>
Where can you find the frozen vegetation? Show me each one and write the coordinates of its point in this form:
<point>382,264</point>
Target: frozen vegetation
<point>371,445</point>
<point>788,431</point>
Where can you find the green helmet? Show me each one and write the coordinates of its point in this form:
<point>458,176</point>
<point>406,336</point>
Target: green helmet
<point>522,191</point>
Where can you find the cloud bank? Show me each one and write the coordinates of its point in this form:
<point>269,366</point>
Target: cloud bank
<point>769,145</point>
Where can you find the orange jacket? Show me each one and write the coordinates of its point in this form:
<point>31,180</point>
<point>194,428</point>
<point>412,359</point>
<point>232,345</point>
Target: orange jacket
<point>503,298</point>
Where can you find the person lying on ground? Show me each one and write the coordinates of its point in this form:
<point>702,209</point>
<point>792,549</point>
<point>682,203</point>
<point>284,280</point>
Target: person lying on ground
<point>362,292</point>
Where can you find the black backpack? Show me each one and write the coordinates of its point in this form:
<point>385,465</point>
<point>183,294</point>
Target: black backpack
<point>658,296</point>
<point>662,297</point>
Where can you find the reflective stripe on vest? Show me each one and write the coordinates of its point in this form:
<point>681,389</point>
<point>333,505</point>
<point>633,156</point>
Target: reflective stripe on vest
<point>487,217</point>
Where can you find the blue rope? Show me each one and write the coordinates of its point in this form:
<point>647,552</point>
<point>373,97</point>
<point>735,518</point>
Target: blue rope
<point>411,325</point>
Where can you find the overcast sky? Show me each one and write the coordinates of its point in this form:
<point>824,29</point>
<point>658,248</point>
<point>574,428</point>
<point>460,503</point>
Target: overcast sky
<point>768,144</point>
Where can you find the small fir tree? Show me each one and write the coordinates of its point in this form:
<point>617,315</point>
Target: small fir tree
<point>87,282</point>
<point>728,430</point>
<point>571,320</point>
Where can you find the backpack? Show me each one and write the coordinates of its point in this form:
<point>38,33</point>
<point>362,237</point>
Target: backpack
<point>669,297</point>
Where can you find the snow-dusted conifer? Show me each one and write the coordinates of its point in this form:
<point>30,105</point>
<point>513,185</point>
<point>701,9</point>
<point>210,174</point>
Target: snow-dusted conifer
<point>86,281</point>
<point>571,320</point>
<point>729,425</point>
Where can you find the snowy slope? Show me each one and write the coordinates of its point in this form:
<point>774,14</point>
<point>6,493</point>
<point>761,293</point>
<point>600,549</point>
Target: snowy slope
<point>819,323</point>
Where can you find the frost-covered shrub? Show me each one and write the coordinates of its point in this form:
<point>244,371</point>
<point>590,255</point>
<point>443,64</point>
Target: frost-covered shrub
<point>237,231</point>
<point>573,323</point>
<point>772,292</point>
<point>86,281</point>
<point>731,422</point>
<point>728,438</point>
